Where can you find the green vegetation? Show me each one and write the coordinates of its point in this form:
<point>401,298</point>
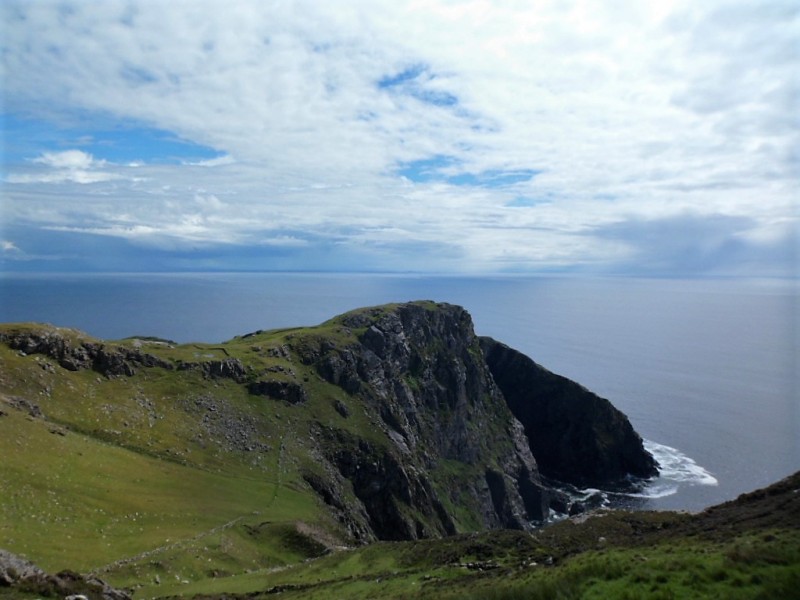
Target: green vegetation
<point>512,565</point>
<point>166,475</point>
<point>175,482</point>
<point>64,491</point>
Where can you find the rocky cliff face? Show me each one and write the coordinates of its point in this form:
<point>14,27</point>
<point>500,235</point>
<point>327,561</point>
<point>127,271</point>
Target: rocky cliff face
<point>453,441</point>
<point>576,436</point>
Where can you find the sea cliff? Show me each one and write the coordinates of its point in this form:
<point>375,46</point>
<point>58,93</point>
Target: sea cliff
<point>455,431</point>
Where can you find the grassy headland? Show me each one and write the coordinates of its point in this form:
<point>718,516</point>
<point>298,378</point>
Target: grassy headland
<point>183,470</point>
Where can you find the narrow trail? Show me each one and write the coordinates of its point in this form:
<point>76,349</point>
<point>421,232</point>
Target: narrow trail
<point>218,529</point>
<point>172,546</point>
<point>278,472</point>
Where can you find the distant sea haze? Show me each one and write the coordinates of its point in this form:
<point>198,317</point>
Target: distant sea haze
<point>707,370</point>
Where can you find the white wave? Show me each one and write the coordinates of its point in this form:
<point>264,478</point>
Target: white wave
<point>676,467</point>
<point>675,471</point>
<point>655,489</point>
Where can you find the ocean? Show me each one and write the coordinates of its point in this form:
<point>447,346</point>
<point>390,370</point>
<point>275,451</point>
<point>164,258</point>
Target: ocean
<point>706,370</point>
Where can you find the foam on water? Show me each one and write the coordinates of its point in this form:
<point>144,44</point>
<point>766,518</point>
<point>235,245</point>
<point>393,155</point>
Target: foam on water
<point>676,469</point>
<point>655,489</point>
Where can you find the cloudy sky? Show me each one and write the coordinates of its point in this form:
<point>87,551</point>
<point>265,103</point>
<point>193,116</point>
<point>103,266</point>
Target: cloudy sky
<point>597,136</point>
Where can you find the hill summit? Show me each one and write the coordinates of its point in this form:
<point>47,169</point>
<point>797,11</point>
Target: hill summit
<point>394,422</point>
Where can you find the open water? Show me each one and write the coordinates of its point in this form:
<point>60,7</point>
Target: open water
<point>706,370</point>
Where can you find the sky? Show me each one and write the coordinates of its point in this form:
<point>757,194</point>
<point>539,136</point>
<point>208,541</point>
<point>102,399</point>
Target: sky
<point>432,136</point>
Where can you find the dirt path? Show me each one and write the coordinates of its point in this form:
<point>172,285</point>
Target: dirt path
<point>172,546</point>
<point>218,529</point>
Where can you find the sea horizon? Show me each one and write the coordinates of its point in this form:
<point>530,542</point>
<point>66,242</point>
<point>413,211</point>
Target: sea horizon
<point>688,360</point>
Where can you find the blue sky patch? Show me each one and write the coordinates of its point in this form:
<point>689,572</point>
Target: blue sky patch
<point>493,177</point>
<point>521,202</point>
<point>435,97</point>
<point>403,77</point>
<point>430,170</point>
<point>412,82</point>
<point>427,169</point>
<point>146,144</point>
<point>26,139</point>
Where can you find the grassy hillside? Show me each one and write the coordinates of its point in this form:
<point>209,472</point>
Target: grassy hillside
<point>71,500</point>
<point>746,549</point>
<point>181,470</point>
<point>166,474</point>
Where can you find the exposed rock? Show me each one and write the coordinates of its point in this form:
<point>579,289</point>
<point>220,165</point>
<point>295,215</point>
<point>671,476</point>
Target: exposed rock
<point>14,569</point>
<point>575,435</point>
<point>387,489</point>
<point>75,354</point>
<point>289,391</point>
<point>25,577</point>
<point>23,404</point>
<point>225,427</point>
<point>350,512</point>
<point>230,368</point>
<point>419,368</point>
<point>341,408</point>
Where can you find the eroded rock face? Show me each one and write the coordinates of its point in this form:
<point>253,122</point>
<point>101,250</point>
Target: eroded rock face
<point>230,368</point>
<point>453,440</point>
<point>387,486</point>
<point>75,355</point>
<point>290,391</point>
<point>576,436</point>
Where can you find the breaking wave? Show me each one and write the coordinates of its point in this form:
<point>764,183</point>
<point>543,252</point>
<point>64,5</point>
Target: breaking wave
<point>676,469</point>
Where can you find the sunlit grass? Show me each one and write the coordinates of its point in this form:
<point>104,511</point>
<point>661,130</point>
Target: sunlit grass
<point>73,501</point>
<point>124,477</point>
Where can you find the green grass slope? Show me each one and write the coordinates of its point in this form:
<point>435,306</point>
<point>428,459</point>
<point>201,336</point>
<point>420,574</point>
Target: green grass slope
<point>747,549</point>
<point>173,480</point>
<point>72,501</point>
<point>165,475</point>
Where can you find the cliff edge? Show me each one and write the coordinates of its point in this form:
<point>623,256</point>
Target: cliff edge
<point>398,419</point>
<point>576,436</point>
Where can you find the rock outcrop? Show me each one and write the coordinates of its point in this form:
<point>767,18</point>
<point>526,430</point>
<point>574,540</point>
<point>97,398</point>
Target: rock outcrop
<point>72,352</point>
<point>576,436</point>
<point>29,580</point>
<point>230,368</point>
<point>451,439</point>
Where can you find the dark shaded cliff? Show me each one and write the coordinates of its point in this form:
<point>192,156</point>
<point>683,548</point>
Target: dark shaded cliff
<point>576,436</point>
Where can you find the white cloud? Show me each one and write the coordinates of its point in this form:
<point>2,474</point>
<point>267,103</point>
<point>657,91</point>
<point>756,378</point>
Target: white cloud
<point>286,241</point>
<point>226,159</point>
<point>631,111</point>
<point>69,166</point>
<point>62,176</point>
<point>68,159</point>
